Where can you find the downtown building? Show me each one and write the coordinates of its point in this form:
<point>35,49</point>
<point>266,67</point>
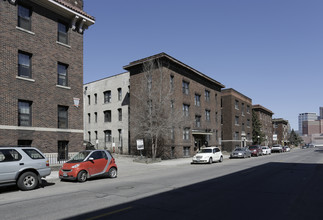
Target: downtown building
<point>41,65</point>
<point>236,120</point>
<point>265,117</point>
<point>305,117</point>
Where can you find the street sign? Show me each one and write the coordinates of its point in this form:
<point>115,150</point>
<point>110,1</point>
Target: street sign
<point>140,144</point>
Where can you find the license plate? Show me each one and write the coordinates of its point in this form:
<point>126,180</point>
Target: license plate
<point>64,174</point>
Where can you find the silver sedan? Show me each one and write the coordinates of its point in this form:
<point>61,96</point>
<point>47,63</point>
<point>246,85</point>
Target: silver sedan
<point>240,152</point>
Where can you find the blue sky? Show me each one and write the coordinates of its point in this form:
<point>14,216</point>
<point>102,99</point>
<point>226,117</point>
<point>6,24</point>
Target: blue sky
<point>269,50</point>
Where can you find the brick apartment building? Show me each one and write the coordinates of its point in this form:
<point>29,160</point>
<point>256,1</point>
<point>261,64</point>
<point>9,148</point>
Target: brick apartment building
<point>280,131</point>
<point>236,120</point>
<point>265,118</point>
<point>106,110</point>
<point>41,65</point>
<point>192,95</point>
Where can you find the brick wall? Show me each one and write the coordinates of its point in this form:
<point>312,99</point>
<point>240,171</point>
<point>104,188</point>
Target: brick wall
<point>42,89</point>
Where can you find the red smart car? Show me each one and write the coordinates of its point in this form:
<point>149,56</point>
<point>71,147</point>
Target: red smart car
<point>87,164</point>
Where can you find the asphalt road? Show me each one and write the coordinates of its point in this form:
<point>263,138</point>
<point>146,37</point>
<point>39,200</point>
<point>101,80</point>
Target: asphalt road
<point>279,186</point>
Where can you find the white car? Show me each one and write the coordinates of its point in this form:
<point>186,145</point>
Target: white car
<point>265,150</point>
<point>208,155</point>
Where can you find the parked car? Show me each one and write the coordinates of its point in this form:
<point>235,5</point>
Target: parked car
<point>277,148</point>
<point>87,164</point>
<point>240,152</point>
<point>208,155</point>
<point>286,148</point>
<point>265,150</point>
<point>255,150</point>
<point>23,166</point>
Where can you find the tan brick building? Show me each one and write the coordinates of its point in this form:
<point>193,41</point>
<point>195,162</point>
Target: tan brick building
<point>194,96</point>
<point>41,65</point>
<point>236,120</point>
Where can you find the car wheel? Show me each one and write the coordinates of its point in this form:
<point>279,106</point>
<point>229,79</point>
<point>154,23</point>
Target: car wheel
<point>27,181</point>
<point>112,172</point>
<point>210,160</point>
<point>82,176</point>
<point>221,159</point>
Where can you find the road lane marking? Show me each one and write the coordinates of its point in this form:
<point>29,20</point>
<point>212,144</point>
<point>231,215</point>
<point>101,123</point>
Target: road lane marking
<point>110,213</point>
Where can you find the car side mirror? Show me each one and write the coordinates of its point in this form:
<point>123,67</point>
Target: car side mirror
<point>91,159</point>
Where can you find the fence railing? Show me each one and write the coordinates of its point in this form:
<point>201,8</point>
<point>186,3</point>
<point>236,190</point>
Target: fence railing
<point>54,159</point>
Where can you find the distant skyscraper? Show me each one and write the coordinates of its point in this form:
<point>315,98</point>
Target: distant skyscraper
<point>305,117</point>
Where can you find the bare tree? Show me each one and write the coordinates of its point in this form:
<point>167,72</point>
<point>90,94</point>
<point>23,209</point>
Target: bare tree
<point>155,115</point>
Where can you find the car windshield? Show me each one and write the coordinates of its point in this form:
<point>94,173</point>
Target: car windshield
<point>253,147</point>
<point>238,149</point>
<point>79,157</point>
<point>206,151</point>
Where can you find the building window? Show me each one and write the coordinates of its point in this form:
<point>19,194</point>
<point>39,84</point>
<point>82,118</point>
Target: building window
<point>207,115</point>
<point>24,64</point>
<point>172,104</point>
<point>89,99</point>
<point>24,17</point>
<point>236,104</point>
<point>171,80</point>
<point>95,117</point>
<point>216,117</point>
<point>26,143</point>
<point>186,151</point>
<point>89,117</point>
<point>197,121</point>
<point>62,33</point>
<point>89,133</point>
<point>95,98</point>
<point>185,86</point>
<point>108,136</point>
<point>236,120</point>
<point>207,95</point>
<point>62,74</point>
<point>120,114</point>
<point>172,133</point>
<point>107,116</point>
<point>242,109</point>
<point>120,138</point>
<point>96,136</point>
<point>186,134</point>
<point>62,150</point>
<point>119,94</point>
<point>186,110</point>
<point>197,99</point>
<point>62,116</point>
<point>107,96</point>
<point>24,113</point>
<point>248,122</point>
<point>236,136</point>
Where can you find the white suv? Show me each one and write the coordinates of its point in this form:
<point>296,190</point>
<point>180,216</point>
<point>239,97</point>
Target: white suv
<point>24,166</point>
<point>208,155</point>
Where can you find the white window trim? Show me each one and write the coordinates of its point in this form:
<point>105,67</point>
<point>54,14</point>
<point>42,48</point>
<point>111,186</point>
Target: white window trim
<point>24,78</point>
<point>24,30</point>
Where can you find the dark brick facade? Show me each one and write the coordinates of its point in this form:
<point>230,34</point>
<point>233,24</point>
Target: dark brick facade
<point>236,120</point>
<point>41,88</point>
<point>265,118</point>
<point>198,84</point>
